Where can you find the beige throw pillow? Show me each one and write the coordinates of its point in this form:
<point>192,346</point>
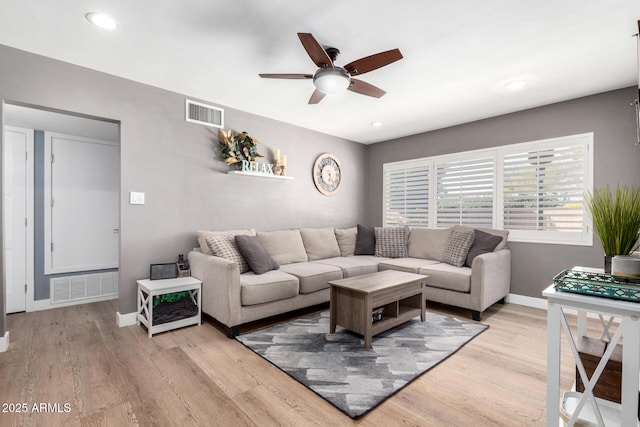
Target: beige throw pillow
<point>346,238</point>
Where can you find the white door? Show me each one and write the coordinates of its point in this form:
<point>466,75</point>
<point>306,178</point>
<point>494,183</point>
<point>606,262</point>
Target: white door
<point>82,192</point>
<point>18,217</point>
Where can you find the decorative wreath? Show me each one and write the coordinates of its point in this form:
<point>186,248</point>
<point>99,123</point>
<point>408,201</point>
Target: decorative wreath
<point>237,147</point>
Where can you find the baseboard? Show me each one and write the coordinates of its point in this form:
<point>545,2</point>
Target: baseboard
<point>128,319</point>
<point>527,301</point>
<point>41,304</point>
<point>45,304</point>
<point>541,303</point>
<point>4,342</point>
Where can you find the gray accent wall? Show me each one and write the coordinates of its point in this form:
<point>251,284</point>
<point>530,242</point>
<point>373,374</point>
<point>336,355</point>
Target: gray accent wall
<point>179,167</point>
<point>608,115</point>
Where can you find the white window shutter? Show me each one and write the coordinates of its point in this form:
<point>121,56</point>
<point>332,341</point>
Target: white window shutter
<point>543,189</point>
<point>465,191</point>
<point>406,194</point>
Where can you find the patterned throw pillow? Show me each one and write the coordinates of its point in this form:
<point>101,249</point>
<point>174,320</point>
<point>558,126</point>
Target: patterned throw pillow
<point>224,246</point>
<point>458,247</point>
<point>391,242</point>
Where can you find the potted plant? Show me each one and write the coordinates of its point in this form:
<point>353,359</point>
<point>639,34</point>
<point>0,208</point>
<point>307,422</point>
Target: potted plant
<point>616,219</point>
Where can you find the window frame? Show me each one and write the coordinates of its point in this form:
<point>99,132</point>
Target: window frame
<point>583,238</point>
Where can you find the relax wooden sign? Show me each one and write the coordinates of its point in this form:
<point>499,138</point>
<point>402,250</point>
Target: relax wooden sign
<point>266,168</point>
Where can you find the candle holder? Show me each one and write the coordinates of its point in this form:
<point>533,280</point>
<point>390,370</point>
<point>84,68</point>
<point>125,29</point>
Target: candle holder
<point>277,169</point>
<point>283,170</point>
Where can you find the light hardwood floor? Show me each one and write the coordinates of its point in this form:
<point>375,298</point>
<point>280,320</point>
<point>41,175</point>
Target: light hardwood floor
<point>195,376</point>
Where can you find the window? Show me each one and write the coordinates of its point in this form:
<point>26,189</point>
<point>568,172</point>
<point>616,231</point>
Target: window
<point>406,194</point>
<point>534,189</point>
<point>465,191</point>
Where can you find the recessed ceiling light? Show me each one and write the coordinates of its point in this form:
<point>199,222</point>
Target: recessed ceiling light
<point>376,124</point>
<point>101,20</point>
<point>516,85</point>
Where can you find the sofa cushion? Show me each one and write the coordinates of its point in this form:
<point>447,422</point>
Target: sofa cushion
<point>482,244</point>
<point>346,238</point>
<point>427,243</point>
<point>351,266</point>
<point>365,241</point>
<point>203,234</point>
<point>312,276</point>
<point>446,276</point>
<point>320,243</point>
<point>410,265</point>
<point>272,286</point>
<point>224,246</point>
<point>391,242</point>
<point>284,246</point>
<point>502,233</point>
<point>256,256</point>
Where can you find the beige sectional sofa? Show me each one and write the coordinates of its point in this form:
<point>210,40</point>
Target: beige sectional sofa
<point>308,258</point>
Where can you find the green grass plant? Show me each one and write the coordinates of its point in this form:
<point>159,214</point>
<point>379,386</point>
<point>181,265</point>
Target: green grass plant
<point>616,218</point>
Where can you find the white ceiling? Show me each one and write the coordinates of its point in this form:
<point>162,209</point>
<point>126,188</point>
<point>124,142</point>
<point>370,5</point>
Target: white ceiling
<point>458,54</point>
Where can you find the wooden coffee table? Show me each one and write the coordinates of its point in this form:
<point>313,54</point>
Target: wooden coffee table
<point>353,300</point>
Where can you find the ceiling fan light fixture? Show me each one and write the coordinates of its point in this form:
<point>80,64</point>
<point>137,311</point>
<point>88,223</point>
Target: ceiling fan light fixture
<point>331,80</point>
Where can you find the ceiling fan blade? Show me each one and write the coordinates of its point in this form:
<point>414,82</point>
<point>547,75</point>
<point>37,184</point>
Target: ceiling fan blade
<point>316,97</point>
<point>373,62</point>
<point>365,88</point>
<point>315,51</point>
<point>286,76</point>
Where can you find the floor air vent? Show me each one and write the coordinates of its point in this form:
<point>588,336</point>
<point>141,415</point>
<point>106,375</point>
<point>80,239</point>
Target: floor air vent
<point>83,287</point>
<point>204,114</point>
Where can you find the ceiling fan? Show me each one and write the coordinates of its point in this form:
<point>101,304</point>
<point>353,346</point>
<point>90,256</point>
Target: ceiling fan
<point>330,78</point>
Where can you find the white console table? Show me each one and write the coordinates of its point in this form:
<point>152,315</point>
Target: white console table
<point>629,328</point>
<point>147,289</point>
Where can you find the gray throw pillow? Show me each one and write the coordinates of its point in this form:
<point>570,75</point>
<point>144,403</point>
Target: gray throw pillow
<point>391,242</point>
<point>365,241</point>
<point>482,243</point>
<point>224,246</point>
<point>458,247</point>
<point>256,255</point>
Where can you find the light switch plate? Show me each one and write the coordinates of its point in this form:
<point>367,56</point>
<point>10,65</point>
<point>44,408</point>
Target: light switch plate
<point>136,198</point>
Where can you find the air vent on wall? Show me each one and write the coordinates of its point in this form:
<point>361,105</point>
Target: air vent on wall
<point>204,114</point>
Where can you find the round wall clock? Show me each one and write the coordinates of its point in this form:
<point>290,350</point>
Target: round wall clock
<point>327,174</point>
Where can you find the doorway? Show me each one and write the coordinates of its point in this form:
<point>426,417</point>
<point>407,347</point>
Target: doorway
<point>30,284</point>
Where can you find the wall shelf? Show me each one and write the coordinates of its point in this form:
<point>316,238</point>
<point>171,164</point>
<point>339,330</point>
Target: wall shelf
<point>258,174</point>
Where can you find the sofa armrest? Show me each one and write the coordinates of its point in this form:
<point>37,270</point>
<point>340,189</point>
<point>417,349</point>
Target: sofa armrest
<point>490,278</point>
<point>220,286</point>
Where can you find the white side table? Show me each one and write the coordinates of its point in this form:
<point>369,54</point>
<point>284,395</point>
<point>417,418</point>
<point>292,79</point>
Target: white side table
<point>147,289</point>
<point>629,328</point>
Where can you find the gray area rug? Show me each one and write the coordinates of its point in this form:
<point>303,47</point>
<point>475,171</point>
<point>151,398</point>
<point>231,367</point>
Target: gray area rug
<point>339,369</point>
